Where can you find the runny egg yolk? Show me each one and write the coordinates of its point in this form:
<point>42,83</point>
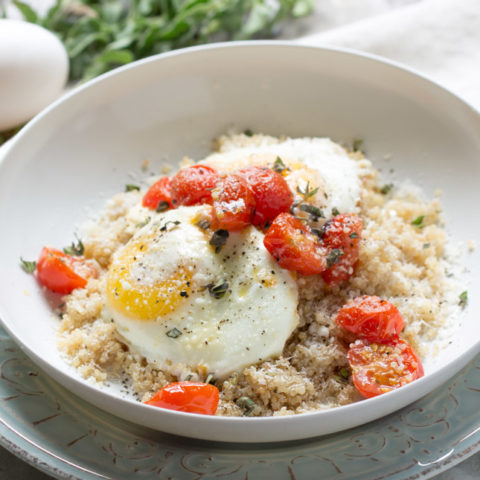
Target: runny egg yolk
<point>136,298</point>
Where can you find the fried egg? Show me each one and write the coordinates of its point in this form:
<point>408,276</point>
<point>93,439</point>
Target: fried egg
<point>179,302</point>
<point>312,163</point>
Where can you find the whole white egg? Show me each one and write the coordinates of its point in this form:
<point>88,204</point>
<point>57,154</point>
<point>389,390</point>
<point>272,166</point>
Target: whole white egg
<point>33,71</point>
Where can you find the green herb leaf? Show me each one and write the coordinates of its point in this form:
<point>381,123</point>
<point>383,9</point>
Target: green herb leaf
<point>386,188</point>
<point>210,379</point>
<point>344,372</point>
<point>100,36</point>
<point>130,187</point>
<point>418,222</point>
<point>162,206</point>
<point>463,299</point>
<point>203,224</point>
<point>219,239</point>
<point>28,266</point>
<point>174,333</point>
<point>247,404</point>
<point>333,256</point>
<point>278,165</point>
<point>357,144</point>
<point>27,11</point>
<point>335,212</point>
<point>314,212</point>
<point>76,249</point>
<point>165,228</point>
<point>248,133</point>
<point>354,235</point>
<point>218,290</point>
<point>306,192</point>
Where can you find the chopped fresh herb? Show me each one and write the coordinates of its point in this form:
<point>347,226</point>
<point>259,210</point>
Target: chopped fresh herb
<point>248,132</point>
<point>463,299</point>
<point>174,333</point>
<point>145,222</point>
<point>418,222</point>
<point>278,165</point>
<point>354,235</point>
<point>203,224</point>
<point>333,256</point>
<point>357,144</point>
<point>319,232</point>
<point>100,36</point>
<point>162,206</point>
<point>306,192</point>
<point>219,239</point>
<point>76,249</point>
<point>210,379</point>
<point>130,187</point>
<point>426,245</point>
<point>164,227</point>
<point>218,290</point>
<point>344,372</point>
<point>28,266</point>
<point>314,212</point>
<point>335,212</point>
<point>386,188</point>
<point>247,404</point>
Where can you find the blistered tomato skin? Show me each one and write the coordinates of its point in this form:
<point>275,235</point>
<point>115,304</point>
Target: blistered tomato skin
<point>371,318</point>
<point>342,235</point>
<point>233,203</point>
<point>379,368</point>
<point>158,192</point>
<point>62,273</point>
<point>191,397</point>
<point>193,185</point>
<point>272,194</point>
<point>293,245</point>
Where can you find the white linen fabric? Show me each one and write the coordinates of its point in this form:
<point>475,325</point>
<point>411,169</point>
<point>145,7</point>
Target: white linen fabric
<point>439,38</point>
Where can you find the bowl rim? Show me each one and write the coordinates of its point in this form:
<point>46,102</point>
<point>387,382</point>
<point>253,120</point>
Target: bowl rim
<point>421,384</point>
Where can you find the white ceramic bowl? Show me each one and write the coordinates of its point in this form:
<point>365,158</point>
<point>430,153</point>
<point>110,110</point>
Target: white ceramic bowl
<point>80,151</point>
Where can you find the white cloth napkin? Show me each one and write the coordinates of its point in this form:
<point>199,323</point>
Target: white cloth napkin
<point>439,38</point>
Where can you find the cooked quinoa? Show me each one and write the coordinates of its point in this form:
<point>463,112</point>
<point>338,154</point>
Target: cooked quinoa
<point>404,263</point>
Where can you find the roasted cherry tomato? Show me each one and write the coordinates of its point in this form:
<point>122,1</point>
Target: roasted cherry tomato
<point>233,203</point>
<point>158,192</point>
<point>294,246</point>
<point>382,367</point>
<point>192,397</point>
<point>193,185</point>
<point>272,193</point>
<point>371,318</point>
<point>63,273</point>
<point>341,237</point>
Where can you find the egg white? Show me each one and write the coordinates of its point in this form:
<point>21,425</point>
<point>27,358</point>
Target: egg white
<point>318,162</point>
<point>250,323</point>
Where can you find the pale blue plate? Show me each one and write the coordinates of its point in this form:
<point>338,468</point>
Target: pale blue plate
<point>66,437</point>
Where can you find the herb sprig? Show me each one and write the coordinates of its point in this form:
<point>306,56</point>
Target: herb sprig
<point>101,35</point>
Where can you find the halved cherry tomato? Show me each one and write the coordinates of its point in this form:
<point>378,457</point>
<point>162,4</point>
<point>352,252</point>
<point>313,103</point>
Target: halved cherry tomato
<point>63,273</point>
<point>371,318</point>
<point>382,367</point>
<point>294,246</point>
<point>341,236</point>
<point>272,193</point>
<point>233,203</point>
<point>193,185</point>
<point>158,192</point>
<point>192,397</point>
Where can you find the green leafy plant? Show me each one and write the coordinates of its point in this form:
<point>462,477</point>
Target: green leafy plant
<point>101,35</point>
